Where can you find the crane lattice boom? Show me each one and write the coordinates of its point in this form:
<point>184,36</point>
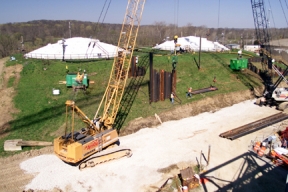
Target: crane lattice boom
<point>119,73</point>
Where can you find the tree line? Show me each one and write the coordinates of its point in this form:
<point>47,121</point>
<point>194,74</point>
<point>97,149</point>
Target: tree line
<point>28,36</point>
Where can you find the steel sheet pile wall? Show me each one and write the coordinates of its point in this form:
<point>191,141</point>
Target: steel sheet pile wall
<point>253,68</point>
<point>254,59</point>
<point>162,80</point>
<point>136,70</point>
<point>157,86</point>
<point>151,82</point>
<point>160,84</point>
<point>133,68</point>
<point>167,84</point>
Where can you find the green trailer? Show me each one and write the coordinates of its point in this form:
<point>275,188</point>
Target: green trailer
<point>238,64</point>
<point>71,80</point>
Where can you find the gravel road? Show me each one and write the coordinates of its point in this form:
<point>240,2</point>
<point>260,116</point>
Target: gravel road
<point>173,144</point>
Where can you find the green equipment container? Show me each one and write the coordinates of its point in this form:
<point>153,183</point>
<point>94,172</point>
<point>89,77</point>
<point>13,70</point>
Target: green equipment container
<point>70,80</point>
<point>238,64</point>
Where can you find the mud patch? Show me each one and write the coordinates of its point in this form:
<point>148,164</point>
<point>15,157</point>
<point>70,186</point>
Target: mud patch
<point>193,134</point>
<point>168,169</point>
<point>7,108</point>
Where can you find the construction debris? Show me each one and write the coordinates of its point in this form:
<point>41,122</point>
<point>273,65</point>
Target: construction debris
<point>273,147</point>
<point>188,178</point>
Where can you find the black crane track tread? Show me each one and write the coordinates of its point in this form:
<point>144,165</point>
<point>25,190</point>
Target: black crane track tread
<point>104,153</point>
<point>254,126</point>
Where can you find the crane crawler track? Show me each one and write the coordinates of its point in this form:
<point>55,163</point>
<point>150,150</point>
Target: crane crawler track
<point>104,156</point>
<point>254,126</point>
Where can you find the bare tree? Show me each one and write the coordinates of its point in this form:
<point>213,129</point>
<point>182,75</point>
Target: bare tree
<point>161,29</point>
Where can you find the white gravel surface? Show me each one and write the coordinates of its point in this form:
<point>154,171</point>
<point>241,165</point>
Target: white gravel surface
<point>173,142</point>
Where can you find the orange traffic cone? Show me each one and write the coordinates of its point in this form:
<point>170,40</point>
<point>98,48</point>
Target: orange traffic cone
<point>261,151</point>
<point>256,146</point>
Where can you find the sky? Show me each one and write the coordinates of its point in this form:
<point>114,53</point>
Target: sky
<point>209,13</point>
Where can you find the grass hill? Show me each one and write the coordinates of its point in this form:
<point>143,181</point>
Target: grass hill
<point>41,114</point>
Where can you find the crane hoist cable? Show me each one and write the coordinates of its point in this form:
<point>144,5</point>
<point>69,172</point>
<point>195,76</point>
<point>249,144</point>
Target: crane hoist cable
<point>286,4</point>
<point>283,12</point>
<point>218,14</point>
<point>218,19</point>
<point>106,11</point>
<point>176,13</point>
<point>274,25</point>
<point>102,12</point>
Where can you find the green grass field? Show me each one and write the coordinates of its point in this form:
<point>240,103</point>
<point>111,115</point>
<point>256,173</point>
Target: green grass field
<point>42,113</point>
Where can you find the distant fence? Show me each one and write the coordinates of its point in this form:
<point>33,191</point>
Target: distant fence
<point>188,48</point>
<point>70,56</point>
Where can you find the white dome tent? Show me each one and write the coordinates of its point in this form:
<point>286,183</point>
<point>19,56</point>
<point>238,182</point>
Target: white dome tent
<point>75,48</point>
<point>192,43</point>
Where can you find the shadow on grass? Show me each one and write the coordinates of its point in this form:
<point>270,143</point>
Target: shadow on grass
<point>55,111</point>
<point>246,80</point>
<point>130,94</point>
<point>250,176</point>
<point>45,115</point>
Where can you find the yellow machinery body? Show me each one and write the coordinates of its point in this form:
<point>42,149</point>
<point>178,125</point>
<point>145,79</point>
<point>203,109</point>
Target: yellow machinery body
<point>74,152</point>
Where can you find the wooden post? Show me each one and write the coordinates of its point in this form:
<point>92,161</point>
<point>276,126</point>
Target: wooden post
<point>200,165</point>
<point>270,148</point>
<point>286,188</point>
<point>208,154</point>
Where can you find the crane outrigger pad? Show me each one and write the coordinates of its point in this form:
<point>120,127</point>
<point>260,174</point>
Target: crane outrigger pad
<point>104,156</point>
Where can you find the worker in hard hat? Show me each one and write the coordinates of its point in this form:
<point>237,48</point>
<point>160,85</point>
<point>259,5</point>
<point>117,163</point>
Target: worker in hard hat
<point>175,39</point>
<point>189,92</point>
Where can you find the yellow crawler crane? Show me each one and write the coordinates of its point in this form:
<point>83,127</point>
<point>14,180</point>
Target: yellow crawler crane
<point>81,146</point>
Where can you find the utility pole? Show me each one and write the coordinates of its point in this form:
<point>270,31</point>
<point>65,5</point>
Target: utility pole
<point>200,44</point>
<point>22,44</point>
<point>241,46</point>
<point>63,46</point>
<point>69,29</point>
